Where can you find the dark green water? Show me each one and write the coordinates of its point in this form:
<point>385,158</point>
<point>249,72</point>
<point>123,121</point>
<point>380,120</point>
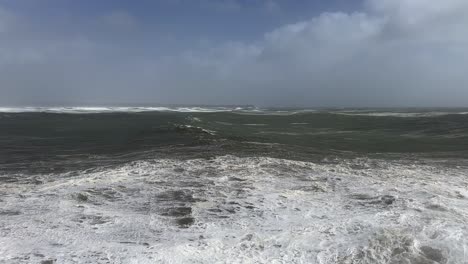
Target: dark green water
<point>46,142</point>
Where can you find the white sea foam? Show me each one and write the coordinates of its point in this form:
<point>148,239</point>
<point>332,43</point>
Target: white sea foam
<point>84,110</point>
<point>211,132</point>
<point>245,210</point>
<point>239,110</point>
<point>399,114</point>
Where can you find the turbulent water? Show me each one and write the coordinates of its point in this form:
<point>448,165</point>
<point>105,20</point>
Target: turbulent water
<point>233,185</point>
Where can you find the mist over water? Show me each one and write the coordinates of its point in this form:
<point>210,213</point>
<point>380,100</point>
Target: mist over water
<point>233,184</point>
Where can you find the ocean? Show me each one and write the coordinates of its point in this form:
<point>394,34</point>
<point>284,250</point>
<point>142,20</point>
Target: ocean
<point>233,185</point>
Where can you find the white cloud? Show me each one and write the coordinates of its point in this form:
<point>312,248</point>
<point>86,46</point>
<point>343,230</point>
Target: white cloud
<point>395,52</point>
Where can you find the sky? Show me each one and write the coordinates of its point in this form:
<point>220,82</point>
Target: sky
<point>328,53</point>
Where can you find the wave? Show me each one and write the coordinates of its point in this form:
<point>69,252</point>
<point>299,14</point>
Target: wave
<point>254,209</point>
<point>194,129</point>
<point>95,110</point>
<point>400,114</point>
<point>253,111</point>
<point>30,141</point>
<point>255,124</point>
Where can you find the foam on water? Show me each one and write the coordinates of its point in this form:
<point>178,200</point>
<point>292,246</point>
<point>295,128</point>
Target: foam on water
<point>239,110</point>
<point>94,110</point>
<point>239,210</point>
<point>135,109</point>
<point>399,114</point>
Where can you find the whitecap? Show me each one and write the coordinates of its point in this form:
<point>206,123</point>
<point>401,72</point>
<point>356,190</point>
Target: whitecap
<point>233,209</point>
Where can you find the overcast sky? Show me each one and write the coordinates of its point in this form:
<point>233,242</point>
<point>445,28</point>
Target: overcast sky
<point>260,52</point>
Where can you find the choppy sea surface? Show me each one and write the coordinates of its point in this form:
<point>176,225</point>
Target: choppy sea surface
<point>233,185</point>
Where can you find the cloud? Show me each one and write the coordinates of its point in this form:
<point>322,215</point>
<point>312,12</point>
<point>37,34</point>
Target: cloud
<point>391,53</point>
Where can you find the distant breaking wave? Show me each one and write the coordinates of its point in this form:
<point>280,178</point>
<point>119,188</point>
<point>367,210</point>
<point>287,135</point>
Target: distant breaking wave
<point>250,110</point>
<point>92,110</point>
<point>400,114</point>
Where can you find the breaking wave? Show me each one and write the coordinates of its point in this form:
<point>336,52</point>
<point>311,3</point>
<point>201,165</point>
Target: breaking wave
<point>233,209</point>
<point>95,110</point>
<point>402,114</point>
